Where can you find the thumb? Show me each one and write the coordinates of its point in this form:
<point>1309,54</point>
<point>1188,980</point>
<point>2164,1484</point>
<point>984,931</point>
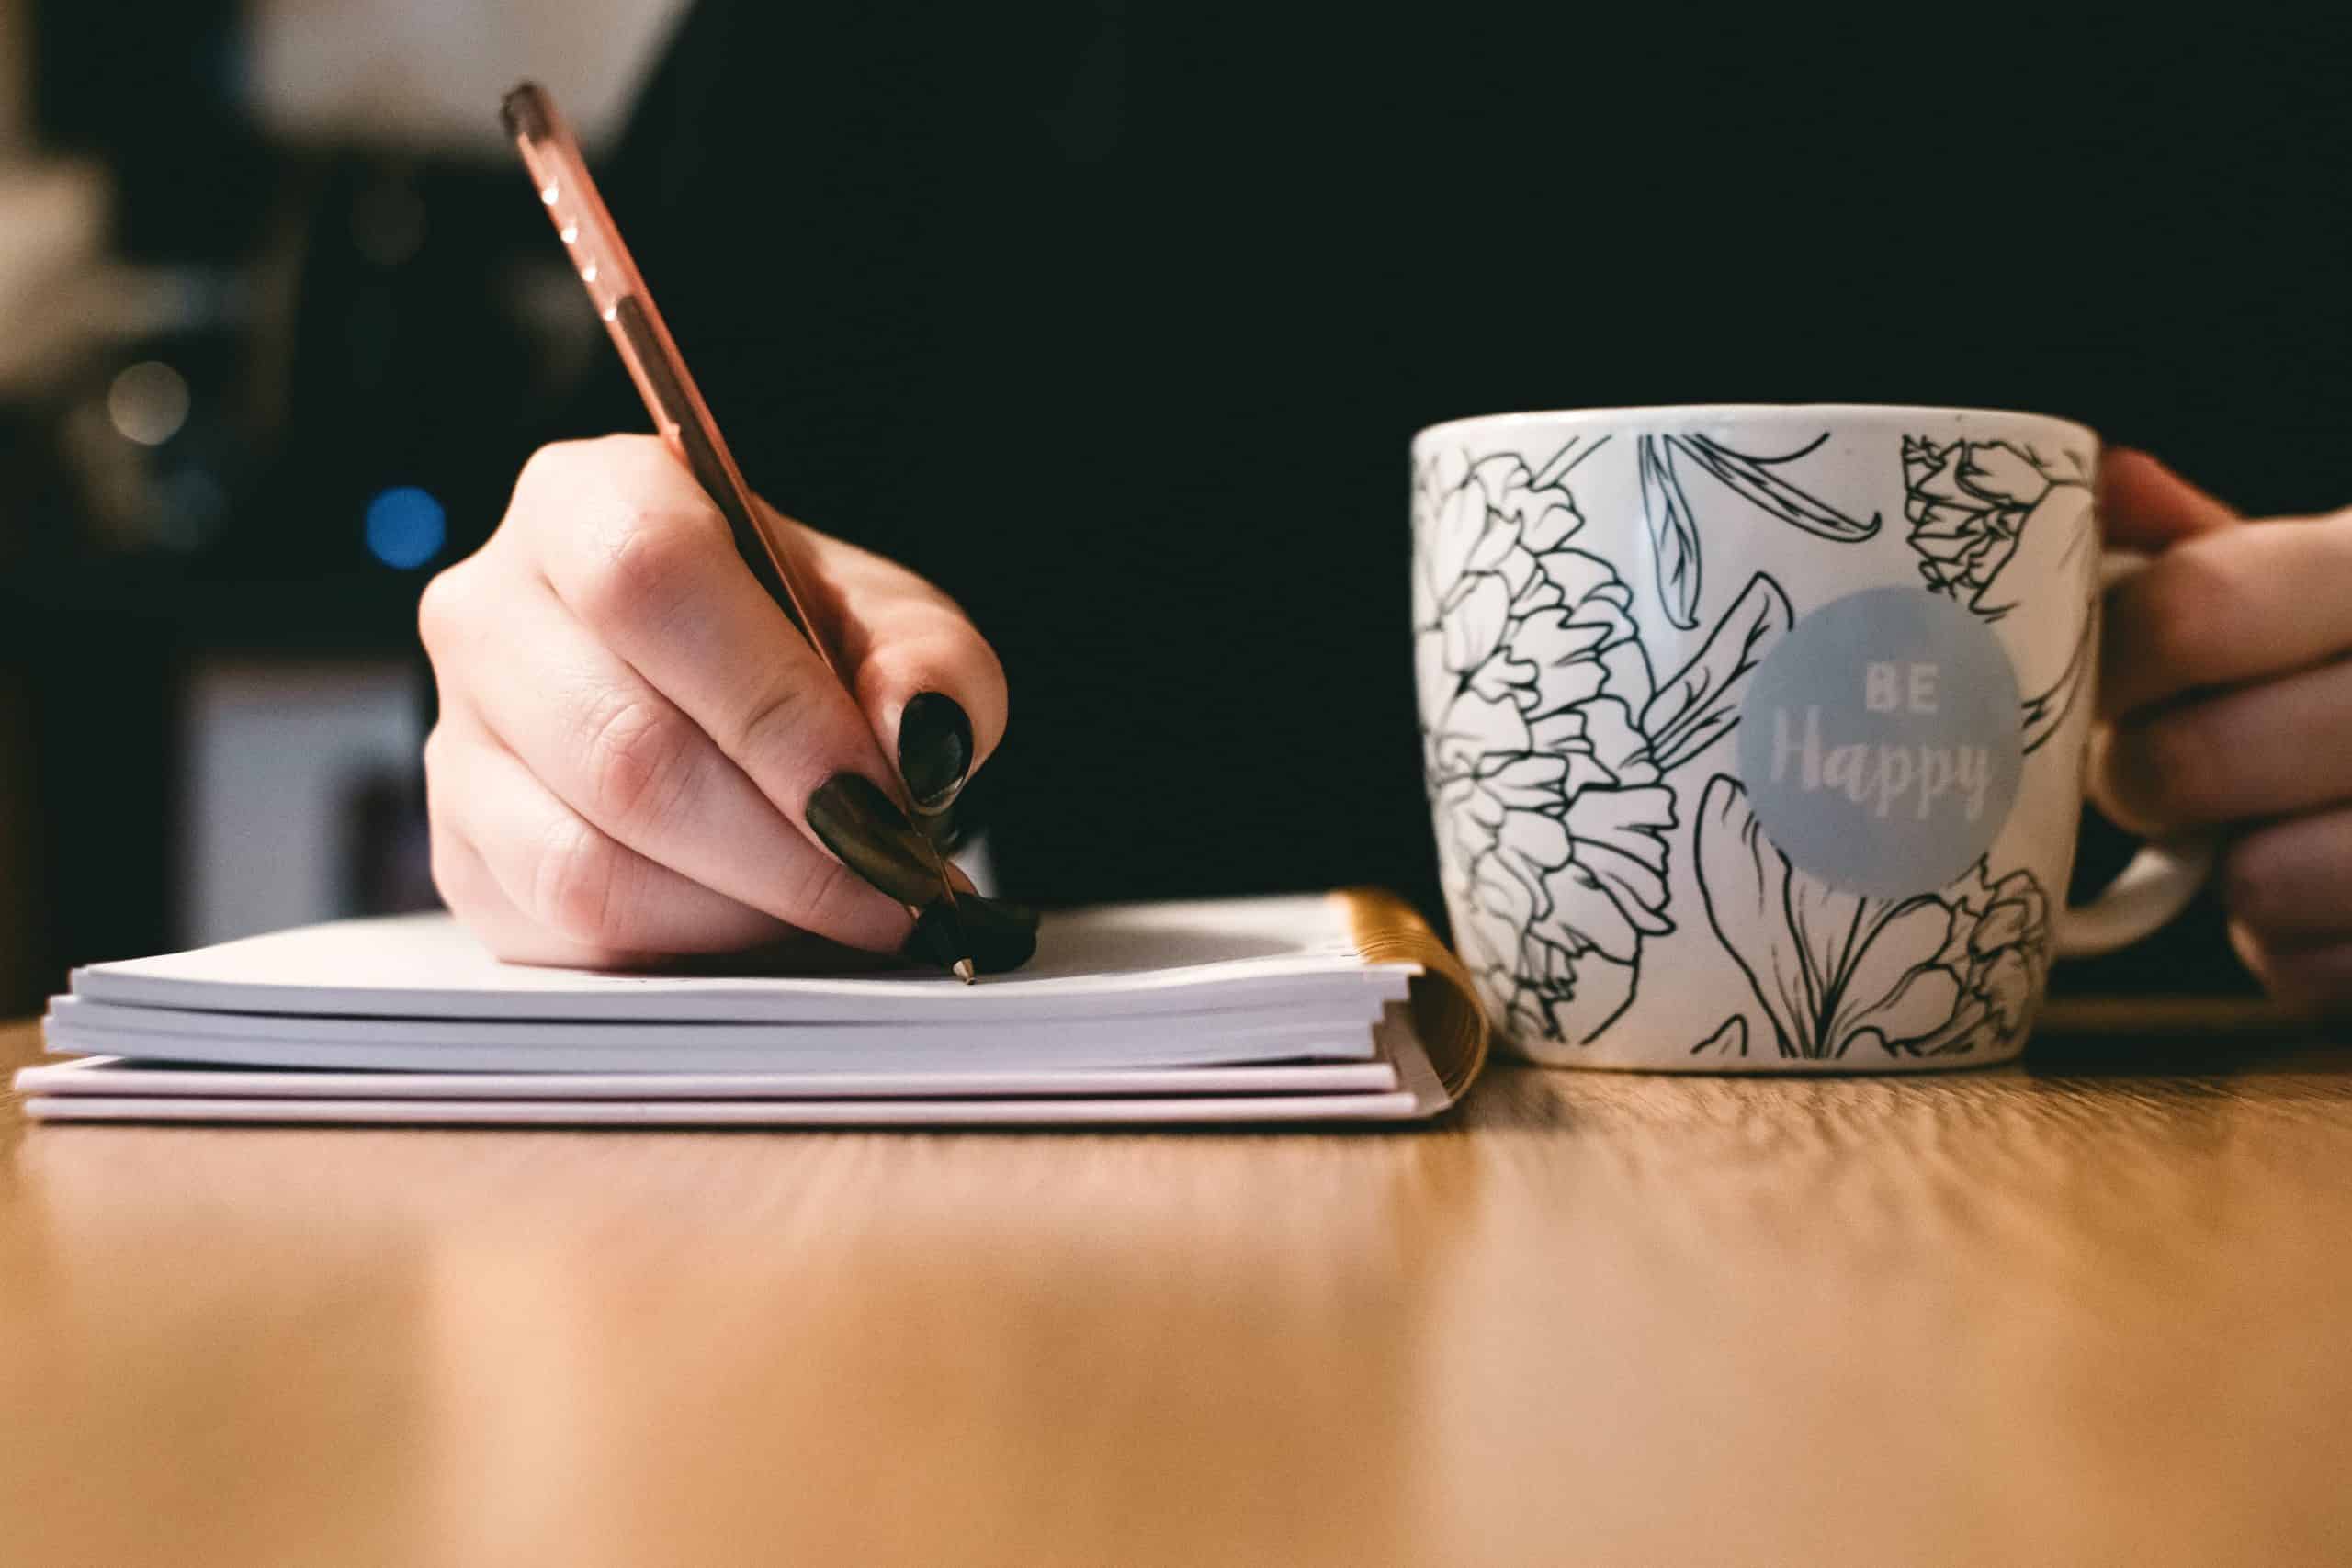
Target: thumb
<point>2146,507</point>
<point>931,688</point>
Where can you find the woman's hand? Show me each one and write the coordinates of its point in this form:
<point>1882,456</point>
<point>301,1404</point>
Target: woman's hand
<point>638,756</point>
<point>2224,671</point>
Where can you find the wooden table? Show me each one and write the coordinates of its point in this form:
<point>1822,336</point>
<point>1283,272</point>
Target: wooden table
<point>2089,1312</point>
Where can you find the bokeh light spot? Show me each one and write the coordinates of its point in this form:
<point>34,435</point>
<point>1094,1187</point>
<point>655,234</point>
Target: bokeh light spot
<point>405,527</point>
<point>148,402</point>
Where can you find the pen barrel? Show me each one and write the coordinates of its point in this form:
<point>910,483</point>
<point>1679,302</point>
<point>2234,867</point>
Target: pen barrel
<point>633,332</point>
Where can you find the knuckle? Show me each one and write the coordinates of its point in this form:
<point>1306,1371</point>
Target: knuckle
<point>441,608</point>
<point>564,479</point>
<point>774,725</point>
<point>639,755</point>
<point>548,468</point>
<point>645,567</point>
<point>576,884</point>
<point>636,465</point>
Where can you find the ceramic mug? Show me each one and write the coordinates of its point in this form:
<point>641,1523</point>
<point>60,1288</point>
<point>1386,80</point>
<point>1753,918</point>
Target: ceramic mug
<point>1753,735</point>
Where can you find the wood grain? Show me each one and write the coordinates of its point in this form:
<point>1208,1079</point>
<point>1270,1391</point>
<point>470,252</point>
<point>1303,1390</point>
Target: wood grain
<point>2079,1312</point>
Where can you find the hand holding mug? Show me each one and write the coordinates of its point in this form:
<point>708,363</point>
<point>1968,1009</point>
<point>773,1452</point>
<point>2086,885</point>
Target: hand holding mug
<point>2223,671</point>
<point>1753,735</point>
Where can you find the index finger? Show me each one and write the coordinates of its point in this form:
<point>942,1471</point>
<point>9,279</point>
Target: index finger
<point>2146,506</point>
<point>2231,604</point>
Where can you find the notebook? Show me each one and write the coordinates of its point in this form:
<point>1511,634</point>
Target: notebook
<point>1341,1006</point>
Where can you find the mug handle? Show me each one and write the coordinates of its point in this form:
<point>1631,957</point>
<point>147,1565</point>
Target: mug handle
<point>2156,885</point>
<point>2161,879</point>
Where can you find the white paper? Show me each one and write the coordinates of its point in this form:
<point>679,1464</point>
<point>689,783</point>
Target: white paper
<point>1418,1095</point>
<point>931,1050</point>
<point>1251,1010</point>
<point>1392,1106</point>
<point>477,1045</point>
<point>115,1076</point>
<point>1117,960</point>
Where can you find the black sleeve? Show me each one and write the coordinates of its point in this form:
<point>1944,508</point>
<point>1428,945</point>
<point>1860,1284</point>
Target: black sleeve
<point>801,185</point>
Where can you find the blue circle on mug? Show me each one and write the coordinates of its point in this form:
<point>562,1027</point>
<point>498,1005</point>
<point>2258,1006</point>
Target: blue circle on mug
<point>1882,741</point>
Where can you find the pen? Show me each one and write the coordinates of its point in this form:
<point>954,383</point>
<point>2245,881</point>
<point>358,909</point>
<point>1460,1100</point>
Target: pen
<point>685,420</point>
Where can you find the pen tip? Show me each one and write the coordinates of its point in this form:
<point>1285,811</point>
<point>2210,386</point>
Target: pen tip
<point>964,970</point>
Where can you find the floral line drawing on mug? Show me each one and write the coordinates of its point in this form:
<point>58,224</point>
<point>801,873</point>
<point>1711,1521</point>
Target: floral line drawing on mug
<point>1730,1039</point>
<point>1674,526</point>
<point>1933,974</point>
<point>1649,860</point>
<point>1548,776</point>
<point>1981,510</point>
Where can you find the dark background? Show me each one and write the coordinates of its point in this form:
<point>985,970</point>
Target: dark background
<point>1117,320</point>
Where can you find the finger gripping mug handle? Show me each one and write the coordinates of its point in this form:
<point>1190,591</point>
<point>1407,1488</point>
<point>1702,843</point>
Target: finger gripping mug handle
<point>2161,879</point>
<point>2156,885</point>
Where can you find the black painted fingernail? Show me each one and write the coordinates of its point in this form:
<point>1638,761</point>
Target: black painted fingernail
<point>852,816</point>
<point>934,748</point>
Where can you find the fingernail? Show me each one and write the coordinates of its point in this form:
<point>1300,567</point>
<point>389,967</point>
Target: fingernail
<point>934,748</point>
<point>852,816</point>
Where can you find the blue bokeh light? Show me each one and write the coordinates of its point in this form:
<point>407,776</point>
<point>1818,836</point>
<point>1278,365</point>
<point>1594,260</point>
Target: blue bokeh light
<point>405,527</point>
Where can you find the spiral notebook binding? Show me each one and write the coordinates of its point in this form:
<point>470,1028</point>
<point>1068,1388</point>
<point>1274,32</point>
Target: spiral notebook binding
<point>1446,1014</point>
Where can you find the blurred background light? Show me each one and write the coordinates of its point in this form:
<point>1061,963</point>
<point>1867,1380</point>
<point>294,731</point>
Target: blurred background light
<point>261,262</point>
<point>405,527</point>
<point>148,402</point>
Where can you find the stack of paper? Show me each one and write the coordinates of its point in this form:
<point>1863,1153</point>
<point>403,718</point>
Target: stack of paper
<point>1255,1010</point>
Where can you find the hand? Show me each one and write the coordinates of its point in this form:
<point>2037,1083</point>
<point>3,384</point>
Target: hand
<point>2226,675</point>
<point>637,756</point>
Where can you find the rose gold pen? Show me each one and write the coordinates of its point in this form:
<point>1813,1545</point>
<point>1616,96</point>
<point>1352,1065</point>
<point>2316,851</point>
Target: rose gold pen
<point>594,248</point>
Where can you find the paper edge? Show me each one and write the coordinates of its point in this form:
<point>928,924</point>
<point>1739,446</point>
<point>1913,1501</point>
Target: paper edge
<point>113,1077</point>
